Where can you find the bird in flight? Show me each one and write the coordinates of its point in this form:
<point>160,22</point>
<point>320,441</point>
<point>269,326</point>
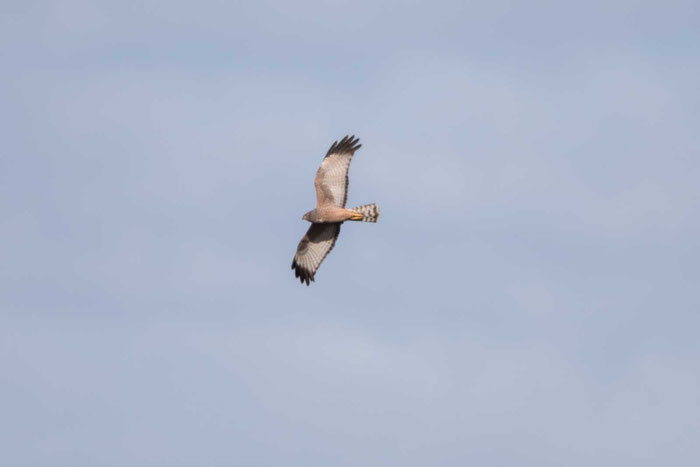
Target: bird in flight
<point>331,195</point>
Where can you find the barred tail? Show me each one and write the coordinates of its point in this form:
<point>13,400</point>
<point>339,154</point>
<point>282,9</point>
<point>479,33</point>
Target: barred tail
<point>370,212</point>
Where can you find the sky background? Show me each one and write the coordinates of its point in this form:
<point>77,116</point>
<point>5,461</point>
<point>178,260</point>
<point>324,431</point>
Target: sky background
<point>530,295</point>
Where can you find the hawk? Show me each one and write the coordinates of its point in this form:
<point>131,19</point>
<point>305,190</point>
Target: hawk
<point>331,195</point>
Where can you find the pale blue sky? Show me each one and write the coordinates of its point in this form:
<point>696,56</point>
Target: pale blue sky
<point>529,296</point>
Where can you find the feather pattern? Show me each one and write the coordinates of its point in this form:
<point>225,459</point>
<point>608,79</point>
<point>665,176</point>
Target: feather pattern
<point>332,176</point>
<point>313,249</point>
<point>370,212</point>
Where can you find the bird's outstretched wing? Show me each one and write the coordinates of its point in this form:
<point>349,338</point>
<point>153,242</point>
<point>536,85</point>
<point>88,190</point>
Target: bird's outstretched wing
<point>332,177</point>
<point>313,249</point>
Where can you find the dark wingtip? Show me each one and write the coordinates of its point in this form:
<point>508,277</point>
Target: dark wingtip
<point>300,273</point>
<point>346,145</point>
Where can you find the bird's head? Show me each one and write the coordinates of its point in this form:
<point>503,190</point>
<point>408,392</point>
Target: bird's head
<point>307,216</point>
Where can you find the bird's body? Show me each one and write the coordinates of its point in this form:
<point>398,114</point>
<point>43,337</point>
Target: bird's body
<point>331,196</point>
<point>327,214</point>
